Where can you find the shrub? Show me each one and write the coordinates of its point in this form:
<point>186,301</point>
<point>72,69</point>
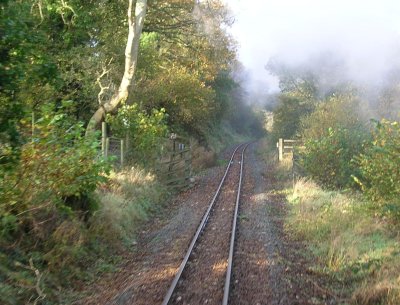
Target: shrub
<point>333,136</point>
<point>328,159</point>
<point>57,172</point>
<point>144,130</point>
<point>336,111</point>
<point>44,199</point>
<point>288,115</point>
<point>379,175</point>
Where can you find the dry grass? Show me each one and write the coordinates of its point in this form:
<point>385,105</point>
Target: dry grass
<point>126,201</point>
<point>203,158</point>
<point>353,245</point>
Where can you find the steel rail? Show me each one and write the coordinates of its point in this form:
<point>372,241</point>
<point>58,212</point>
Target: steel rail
<point>233,233</point>
<point>182,266</point>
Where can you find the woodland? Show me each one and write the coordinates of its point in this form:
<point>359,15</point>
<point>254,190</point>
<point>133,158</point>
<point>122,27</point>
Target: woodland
<point>67,66</point>
<point>150,68</point>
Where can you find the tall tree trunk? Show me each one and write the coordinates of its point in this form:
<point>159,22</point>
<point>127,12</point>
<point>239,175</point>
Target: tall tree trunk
<point>136,14</point>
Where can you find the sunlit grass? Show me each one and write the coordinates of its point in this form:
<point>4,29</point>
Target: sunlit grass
<point>353,245</point>
<point>126,201</point>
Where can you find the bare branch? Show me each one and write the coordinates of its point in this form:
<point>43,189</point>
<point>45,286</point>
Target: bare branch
<point>38,3</point>
<point>65,6</point>
<point>41,295</point>
<point>103,88</point>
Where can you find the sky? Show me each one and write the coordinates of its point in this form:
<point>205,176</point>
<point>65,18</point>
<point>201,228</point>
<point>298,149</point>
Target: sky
<point>364,33</point>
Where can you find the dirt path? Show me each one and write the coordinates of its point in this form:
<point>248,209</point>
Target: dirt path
<point>269,266</point>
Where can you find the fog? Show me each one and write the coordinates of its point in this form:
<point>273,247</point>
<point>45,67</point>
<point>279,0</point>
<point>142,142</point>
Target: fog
<point>363,36</point>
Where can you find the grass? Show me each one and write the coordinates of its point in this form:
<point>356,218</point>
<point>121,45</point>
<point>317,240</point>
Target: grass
<point>267,151</point>
<point>126,201</point>
<point>354,246</point>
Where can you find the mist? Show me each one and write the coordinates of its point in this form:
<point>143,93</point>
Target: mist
<point>352,41</point>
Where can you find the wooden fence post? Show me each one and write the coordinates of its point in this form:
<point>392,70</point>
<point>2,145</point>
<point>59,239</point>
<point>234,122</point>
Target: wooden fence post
<point>107,147</point>
<point>122,152</point>
<point>103,138</point>
<point>191,157</point>
<point>280,148</point>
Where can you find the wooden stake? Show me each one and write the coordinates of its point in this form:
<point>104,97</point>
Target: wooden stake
<point>122,152</point>
<point>103,138</point>
<point>280,148</point>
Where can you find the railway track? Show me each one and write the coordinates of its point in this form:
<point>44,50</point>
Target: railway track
<point>205,272</point>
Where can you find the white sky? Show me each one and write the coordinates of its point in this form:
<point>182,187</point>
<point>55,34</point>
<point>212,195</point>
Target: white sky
<point>365,33</point>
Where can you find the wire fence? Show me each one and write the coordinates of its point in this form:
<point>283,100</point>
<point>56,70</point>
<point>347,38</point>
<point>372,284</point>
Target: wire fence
<point>173,159</point>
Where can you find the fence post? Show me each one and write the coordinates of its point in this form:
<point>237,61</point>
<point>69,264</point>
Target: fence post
<point>107,147</point>
<point>280,148</point>
<point>122,152</point>
<point>191,157</point>
<point>103,138</point>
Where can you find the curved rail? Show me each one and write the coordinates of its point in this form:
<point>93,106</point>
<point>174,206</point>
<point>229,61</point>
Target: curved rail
<point>233,234</point>
<point>199,229</point>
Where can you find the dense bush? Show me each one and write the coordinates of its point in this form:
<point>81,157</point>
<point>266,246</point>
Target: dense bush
<point>333,135</point>
<point>57,172</point>
<point>143,130</point>
<point>189,101</point>
<point>336,111</point>
<point>328,159</point>
<point>288,115</point>
<point>379,175</point>
<point>45,202</point>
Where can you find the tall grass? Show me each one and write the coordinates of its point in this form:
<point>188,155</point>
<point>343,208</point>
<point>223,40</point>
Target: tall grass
<point>357,248</point>
<point>126,201</point>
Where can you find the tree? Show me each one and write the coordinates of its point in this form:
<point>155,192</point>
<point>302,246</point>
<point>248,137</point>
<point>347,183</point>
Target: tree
<point>136,16</point>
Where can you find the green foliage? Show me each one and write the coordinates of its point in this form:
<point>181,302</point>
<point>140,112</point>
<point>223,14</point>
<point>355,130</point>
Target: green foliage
<point>333,136</point>
<point>55,56</point>
<point>328,159</point>
<point>379,165</point>
<point>142,129</point>
<point>58,164</point>
<point>188,101</point>
<point>44,199</point>
<point>149,61</point>
<point>336,111</point>
<point>288,115</point>
<point>22,62</point>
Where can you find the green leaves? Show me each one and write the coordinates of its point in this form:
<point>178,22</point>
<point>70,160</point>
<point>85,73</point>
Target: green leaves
<point>334,134</point>
<point>379,176</point>
<point>288,115</point>
<point>59,162</point>
<point>142,129</point>
<point>328,159</point>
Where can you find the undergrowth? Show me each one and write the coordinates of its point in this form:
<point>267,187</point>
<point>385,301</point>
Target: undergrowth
<point>128,199</point>
<point>77,252</point>
<point>354,246</point>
